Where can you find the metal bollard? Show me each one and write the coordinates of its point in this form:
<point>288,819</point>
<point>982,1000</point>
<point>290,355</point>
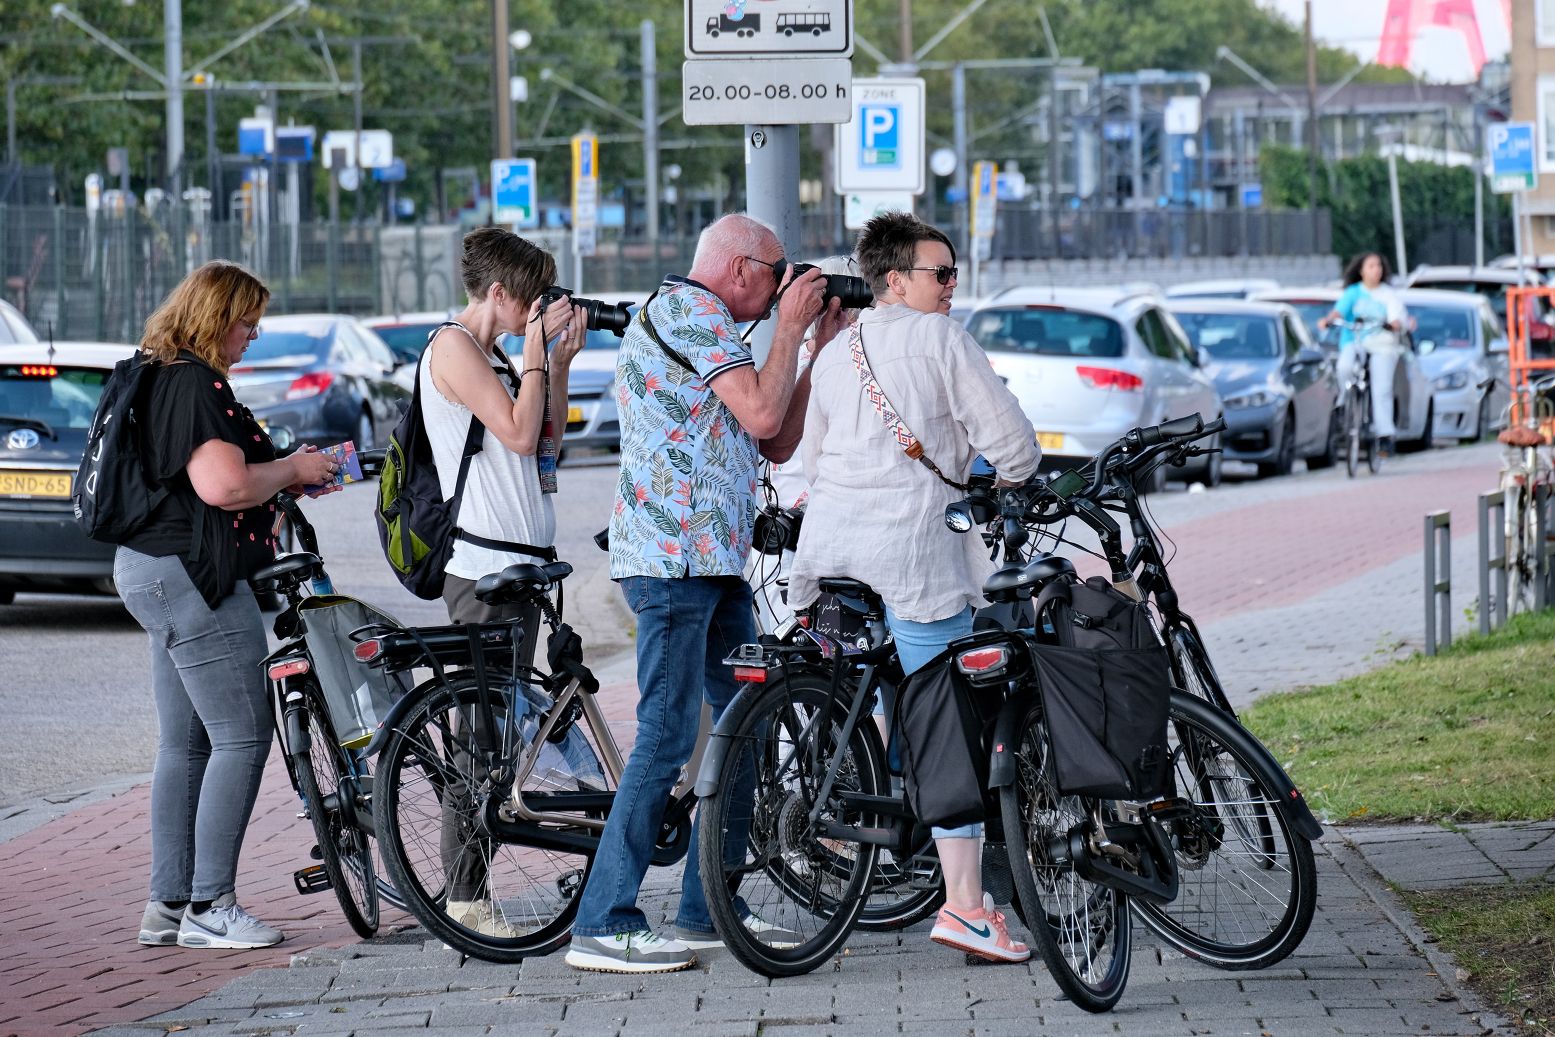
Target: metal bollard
<point>1544,546</point>
<point>1438,580</point>
<point>1492,612</point>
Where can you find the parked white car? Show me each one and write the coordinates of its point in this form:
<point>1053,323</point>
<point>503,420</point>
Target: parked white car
<point>1461,347</point>
<point>14,329</point>
<point>1228,288</point>
<point>406,336</point>
<point>1088,365</point>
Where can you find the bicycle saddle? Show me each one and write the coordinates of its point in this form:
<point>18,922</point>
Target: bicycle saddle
<point>291,567</point>
<point>520,581</point>
<point>1520,437</point>
<point>1012,579</point>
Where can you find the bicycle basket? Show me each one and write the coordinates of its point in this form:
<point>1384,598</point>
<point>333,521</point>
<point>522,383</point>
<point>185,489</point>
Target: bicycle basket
<point>357,696</point>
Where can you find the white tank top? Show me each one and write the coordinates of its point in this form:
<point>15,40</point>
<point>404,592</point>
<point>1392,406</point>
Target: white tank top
<point>502,498</point>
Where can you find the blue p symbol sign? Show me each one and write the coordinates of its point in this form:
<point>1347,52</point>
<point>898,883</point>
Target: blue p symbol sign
<point>879,135</point>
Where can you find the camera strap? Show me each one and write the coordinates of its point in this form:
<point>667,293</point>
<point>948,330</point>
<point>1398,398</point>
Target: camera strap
<point>893,421</point>
<point>658,340</point>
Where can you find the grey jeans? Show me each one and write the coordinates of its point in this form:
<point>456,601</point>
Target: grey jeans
<point>214,720</point>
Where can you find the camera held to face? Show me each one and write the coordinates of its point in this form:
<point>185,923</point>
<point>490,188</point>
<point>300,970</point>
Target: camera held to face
<point>853,291</point>
<point>602,316</point>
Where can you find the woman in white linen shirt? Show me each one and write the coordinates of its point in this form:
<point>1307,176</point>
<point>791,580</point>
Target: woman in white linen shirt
<point>877,516</point>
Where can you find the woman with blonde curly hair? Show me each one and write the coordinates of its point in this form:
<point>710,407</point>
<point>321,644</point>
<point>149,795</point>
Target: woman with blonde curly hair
<point>183,576</point>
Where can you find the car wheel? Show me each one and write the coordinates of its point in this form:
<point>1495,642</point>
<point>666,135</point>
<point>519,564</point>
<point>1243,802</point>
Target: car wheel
<point>1482,420</point>
<point>1285,462</point>
<point>364,432</point>
<point>1332,447</point>
<point>1414,446</point>
<point>1209,475</point>
<point>1155,482</point>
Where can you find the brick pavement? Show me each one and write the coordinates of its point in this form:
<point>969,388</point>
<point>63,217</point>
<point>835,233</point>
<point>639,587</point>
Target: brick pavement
<point>72,966</point>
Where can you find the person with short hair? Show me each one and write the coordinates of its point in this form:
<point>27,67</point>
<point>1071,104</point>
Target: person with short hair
<point>183,575</point>
<point>696,413</point>
<point>878,516</point>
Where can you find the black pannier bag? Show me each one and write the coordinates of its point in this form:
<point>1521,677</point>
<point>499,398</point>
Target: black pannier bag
<point>940,722</point>
<point>1106,688</point>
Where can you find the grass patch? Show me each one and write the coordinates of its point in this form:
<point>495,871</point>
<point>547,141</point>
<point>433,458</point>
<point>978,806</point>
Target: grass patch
<point>1468,735</point>
<point>1504,937</point>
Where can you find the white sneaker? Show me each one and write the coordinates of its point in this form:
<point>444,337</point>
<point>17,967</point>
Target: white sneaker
<point>225,925</point>
<point>770,933</point>
<point>478,916</point>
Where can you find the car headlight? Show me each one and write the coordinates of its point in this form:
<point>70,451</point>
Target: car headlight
<point>1261,398</point>
<point>1450,380</point>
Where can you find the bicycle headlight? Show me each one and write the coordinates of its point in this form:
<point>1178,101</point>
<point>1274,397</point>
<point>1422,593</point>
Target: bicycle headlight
<point>1450,380</point>
<point>1259,398</point>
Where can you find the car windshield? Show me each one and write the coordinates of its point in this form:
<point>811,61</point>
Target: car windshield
<point>1496,293</point>
<point>1047,331</point>
<point>405,340</point>
<point>1447,328</point>
<point>272,344</point>
<point>65,398</point>
<point>1232,336</point>
<point>1311,311</point>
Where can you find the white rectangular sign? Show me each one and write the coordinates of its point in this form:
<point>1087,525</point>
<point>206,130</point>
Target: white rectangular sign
<point>776,92</point>
<point>881,148</point>
<point>859,207</point>
<point>377,148</point>
<point>769,28</point>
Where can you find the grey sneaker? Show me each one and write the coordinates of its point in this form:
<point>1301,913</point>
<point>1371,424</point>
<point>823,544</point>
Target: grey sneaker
<point>642,951</point>
<point>770,933</point>
<point>480,916</point>
<point>225,925</point>
<point>159,925</point>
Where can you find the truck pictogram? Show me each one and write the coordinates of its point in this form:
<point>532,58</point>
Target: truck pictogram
<point>744,28</point>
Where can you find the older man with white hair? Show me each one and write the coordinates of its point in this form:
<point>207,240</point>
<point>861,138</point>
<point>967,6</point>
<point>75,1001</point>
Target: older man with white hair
<point>695,413</point>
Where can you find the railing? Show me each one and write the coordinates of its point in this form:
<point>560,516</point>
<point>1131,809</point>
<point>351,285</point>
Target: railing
<point>1492,560</point>
<point>1438,580</point>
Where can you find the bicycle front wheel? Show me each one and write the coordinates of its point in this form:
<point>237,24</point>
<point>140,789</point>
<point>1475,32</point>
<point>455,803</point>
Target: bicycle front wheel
<point>1194,672</point>
<point>1247,881</point>
<point>1081,927</point>
<point>762,855</point>
<point>1352,432</point>
<point>433,806</point>
<point>326,777</point>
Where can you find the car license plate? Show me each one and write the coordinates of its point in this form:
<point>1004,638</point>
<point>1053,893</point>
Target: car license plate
<point>574,415</point>
<point>1050,440</point>
<point>21,483</point>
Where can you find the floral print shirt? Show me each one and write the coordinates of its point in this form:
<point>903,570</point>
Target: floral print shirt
<point>686,498</point>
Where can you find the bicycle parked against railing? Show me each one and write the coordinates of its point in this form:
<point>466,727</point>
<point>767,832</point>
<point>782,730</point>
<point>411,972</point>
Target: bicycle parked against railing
<point>1528,481</point>
<point>323,706</point>
<point>801,851</point>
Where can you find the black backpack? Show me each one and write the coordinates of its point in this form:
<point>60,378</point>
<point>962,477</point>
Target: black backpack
<point>112,495</point>
<point>416,526</point>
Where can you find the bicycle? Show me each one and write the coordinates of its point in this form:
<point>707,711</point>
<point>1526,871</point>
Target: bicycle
<point>1527,480</point>
<point>801,852</point>
<point>328,769</point>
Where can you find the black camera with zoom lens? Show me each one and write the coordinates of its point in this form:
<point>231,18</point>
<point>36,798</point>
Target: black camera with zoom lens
<point>602,316</point>
<point>853,291</point>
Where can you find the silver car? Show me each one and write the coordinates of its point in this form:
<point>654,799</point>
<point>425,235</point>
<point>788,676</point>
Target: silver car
<point>1088,365</point>
<point>1461,348</point>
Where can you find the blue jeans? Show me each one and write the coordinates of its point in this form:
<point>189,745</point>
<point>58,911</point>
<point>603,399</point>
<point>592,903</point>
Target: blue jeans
<point>916,644</point>
<point>685,629</point>
<point>213,718</point>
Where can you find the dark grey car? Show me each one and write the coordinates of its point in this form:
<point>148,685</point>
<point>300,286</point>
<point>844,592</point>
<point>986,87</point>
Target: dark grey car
<point>1279,389</point>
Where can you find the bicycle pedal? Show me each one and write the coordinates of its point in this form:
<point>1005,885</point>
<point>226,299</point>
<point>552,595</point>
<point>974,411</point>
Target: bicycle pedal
<point>923,872</point>
<point>312,879</point>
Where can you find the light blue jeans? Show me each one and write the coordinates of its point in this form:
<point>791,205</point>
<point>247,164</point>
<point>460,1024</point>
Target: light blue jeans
<point>916,644</point>
<point>214,723</point>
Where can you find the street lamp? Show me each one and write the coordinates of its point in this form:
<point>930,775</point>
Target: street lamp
<point>1397,135</point>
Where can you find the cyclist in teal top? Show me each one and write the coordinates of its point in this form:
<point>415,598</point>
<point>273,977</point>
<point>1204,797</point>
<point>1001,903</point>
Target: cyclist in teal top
<point>1368,300</point>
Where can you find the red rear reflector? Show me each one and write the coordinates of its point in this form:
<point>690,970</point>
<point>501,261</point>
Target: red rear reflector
<point>39,370</point>
<point>1109,378</point>
<point>368,650</point>
<point>804,621</point>
<point>750,674</point>
<point>982,660</point>
<point>311,384</point>
<point>288,668</point>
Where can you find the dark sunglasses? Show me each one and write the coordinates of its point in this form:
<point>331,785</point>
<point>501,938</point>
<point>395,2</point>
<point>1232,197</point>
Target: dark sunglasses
<point>942,274</point>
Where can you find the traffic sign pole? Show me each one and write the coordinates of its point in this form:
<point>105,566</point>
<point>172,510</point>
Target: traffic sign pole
<point>772,196</point>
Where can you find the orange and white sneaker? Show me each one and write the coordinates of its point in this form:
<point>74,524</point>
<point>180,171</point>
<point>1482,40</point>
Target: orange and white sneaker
<point>981,932</point>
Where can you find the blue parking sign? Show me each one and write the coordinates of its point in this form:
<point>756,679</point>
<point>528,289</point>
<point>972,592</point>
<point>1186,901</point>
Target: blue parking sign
<point>1511,147</point>
<point>513,192</point>
<point>880,130</point>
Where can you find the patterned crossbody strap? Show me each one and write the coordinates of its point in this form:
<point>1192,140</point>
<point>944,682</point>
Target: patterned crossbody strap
<point>892,420</point>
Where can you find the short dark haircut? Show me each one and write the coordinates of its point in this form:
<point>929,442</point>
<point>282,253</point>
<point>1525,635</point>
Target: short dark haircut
<point>495,256</point>
<point>1352,269</point>
<point>890,242</point>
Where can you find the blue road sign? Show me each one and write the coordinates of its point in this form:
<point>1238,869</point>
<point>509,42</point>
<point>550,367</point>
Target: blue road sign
<point>1252,196</point>
<point>513,192</point>
<point>393,173</point>
<point>1511,156</point>
<point>294,143</point>
<point>880,136</point>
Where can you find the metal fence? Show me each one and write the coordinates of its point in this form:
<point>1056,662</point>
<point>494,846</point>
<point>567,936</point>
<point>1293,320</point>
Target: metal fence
<point>1033,233</point>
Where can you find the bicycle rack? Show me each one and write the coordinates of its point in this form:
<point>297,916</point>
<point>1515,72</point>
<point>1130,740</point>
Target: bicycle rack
<point>1492,611</point>
<point>1438,592</point>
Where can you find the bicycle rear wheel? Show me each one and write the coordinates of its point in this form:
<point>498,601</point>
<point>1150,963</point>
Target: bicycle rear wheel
<point>760,852</point>
<point>432,806</point>
<point>1082,928</point>
<point>326,777</point>
<point>1247,881</point>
